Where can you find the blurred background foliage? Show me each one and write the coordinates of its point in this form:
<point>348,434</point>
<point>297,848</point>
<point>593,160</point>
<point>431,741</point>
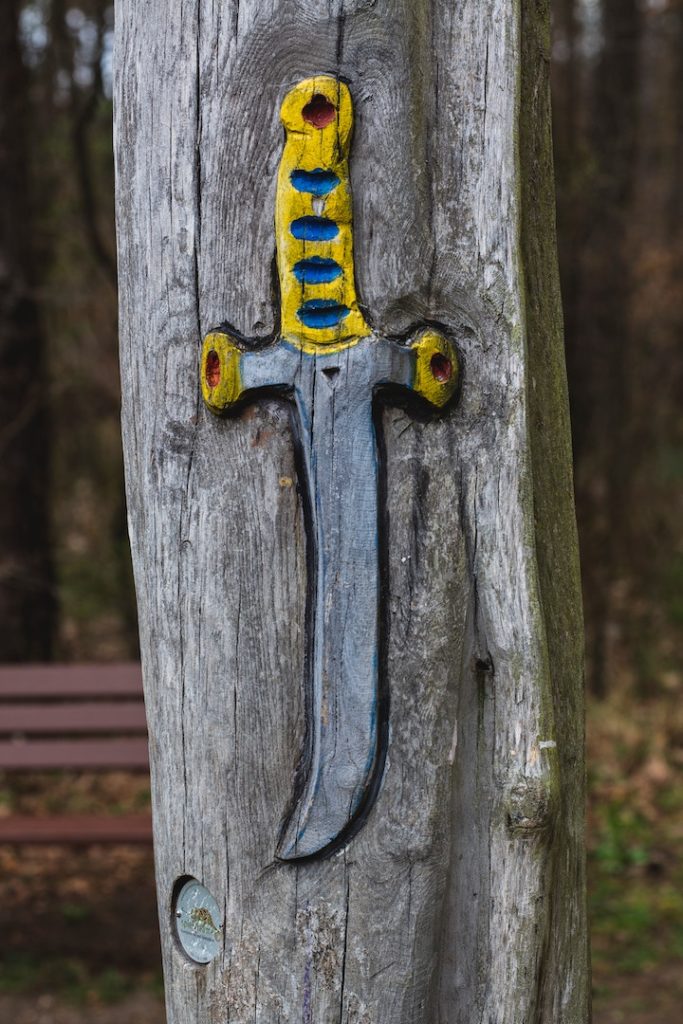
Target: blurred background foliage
<point>65,582</point>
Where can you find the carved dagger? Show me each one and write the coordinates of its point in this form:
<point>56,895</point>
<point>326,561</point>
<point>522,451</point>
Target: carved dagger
<point>330,364</point>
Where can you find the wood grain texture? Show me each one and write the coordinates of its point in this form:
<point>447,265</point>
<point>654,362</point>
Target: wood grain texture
<point>452,904</point>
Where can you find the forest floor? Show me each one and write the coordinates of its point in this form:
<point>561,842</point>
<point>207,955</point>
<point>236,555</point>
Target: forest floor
<point>79,927</point>
<point>635,856</point>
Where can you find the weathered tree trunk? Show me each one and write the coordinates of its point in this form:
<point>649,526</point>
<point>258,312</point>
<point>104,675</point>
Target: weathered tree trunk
<point>27,596</point>
<point>461,897</point>
<point>599,337</point>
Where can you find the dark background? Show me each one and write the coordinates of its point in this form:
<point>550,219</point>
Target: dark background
<point>88,929</point>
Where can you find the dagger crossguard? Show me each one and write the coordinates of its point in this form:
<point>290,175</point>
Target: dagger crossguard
<point>331,364</point>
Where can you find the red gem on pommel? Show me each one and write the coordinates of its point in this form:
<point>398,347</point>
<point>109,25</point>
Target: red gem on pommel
<point>441,367</point>
<point>319,112</point>
<point>212,369</point>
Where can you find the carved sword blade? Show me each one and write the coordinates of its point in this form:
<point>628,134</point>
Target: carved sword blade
<point>340,463</point>
<point>331,365</point>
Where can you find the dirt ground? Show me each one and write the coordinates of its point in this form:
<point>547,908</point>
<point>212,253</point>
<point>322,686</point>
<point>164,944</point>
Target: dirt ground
<point>80,945</point>
<point>80,936</point>
<point>140,1008</point>
<point>69,917</point>
<point>652,999</point>
<point>79,931</point>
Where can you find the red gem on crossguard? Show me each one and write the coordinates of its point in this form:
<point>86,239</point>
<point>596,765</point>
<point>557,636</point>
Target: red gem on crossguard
<point>213,369</point>
<point>441,367</point>
<point>319,112</point>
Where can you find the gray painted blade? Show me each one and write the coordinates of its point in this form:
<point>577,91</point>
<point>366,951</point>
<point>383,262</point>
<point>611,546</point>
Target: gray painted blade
<point>339,458</point>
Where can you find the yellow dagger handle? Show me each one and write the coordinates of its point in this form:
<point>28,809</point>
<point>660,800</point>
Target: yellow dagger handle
<point>314,229</point>
<point>314,219</point>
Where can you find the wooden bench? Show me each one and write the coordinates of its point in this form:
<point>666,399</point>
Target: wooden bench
<point>73,717</point>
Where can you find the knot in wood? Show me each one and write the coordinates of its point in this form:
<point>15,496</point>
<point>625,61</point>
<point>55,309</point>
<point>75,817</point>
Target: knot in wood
<point>530,806</point>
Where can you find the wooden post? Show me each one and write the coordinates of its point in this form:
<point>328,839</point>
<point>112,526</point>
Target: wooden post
<point>456,894</point>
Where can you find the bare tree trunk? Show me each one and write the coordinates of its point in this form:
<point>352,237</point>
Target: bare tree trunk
<point>27,602</point>
<point>655,309</point>
<point>460,897</point>
<point>599,340</point>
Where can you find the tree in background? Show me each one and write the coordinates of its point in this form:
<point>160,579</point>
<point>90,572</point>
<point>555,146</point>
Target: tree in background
<point>618,111</point>
<point>61,231</point>
<point>27,596</point>
<point>618,119</point>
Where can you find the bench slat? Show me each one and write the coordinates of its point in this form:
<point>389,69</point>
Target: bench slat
<point>77,830</point>
<point>26,682</point>
<point>99,754</point>
<point>99,716</point>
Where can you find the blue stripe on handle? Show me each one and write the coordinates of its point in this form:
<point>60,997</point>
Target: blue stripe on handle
<point>314,229</point>
<point>317,270</point>
<point>318,182</point>
<point>321,313</point>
